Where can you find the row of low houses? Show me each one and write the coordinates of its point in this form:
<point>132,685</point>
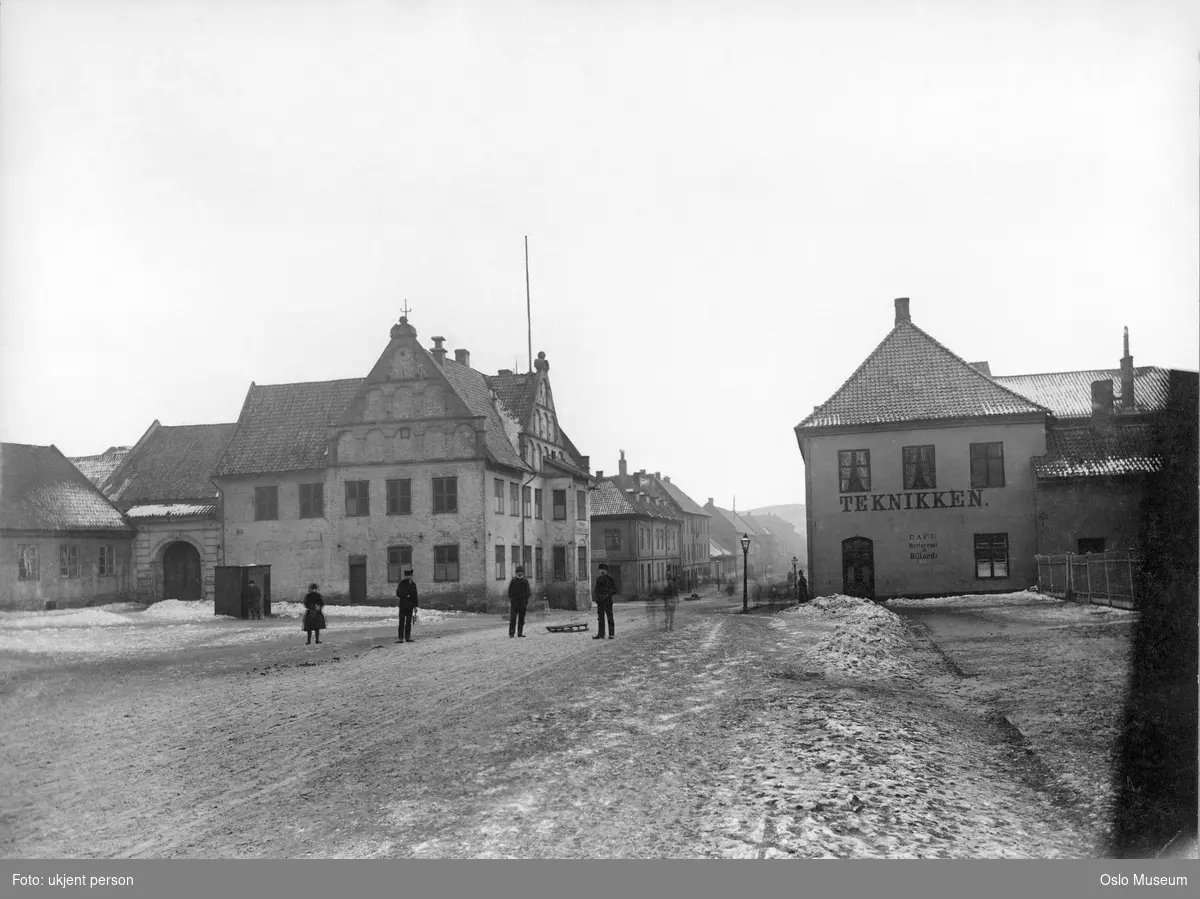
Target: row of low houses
<point>927,475</point>
<point>424,463</point>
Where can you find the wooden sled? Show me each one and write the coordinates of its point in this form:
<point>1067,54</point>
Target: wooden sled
<point>566,628</point>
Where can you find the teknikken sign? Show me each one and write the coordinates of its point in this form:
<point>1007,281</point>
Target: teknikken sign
<point>926,499</point>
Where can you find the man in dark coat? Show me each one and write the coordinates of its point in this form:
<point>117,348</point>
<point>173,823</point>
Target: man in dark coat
<point>254,600</point>
<point>801,587</point>
<point>606,589</point>
<point>407,594</point>
<point>518,600</point>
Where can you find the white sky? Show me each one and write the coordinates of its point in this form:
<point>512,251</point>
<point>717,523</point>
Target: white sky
<point>722,201</point>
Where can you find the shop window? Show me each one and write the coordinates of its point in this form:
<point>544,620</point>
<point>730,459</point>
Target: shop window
<point>991,556</point>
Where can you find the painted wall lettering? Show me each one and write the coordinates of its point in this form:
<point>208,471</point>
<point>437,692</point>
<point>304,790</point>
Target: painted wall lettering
<point>926,499</point>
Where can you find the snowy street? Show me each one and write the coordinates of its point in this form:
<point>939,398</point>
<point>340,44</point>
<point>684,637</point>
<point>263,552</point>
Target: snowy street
<point>831,730</point>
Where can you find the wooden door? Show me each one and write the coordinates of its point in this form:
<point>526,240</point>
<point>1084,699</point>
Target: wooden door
<point>858,567</point>
<point>181,572</point>
<point>227,590</point>
<point>358,582</point>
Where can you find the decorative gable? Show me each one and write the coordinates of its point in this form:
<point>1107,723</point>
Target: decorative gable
<point>406,410</point>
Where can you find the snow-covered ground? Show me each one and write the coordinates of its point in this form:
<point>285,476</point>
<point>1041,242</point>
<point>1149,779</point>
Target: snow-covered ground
<point>123,630</point>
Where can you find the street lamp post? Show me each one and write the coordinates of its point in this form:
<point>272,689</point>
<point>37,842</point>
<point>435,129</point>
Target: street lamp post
<point>745,574</point>
<point>795,579</point>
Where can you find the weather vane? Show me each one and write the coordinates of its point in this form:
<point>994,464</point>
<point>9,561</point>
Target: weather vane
<point>405,311</point>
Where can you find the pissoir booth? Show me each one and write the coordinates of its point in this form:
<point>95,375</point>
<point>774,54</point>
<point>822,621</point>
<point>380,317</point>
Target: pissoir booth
<point>232,583</point>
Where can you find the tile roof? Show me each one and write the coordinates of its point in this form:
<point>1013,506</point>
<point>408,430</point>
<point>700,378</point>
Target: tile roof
<point>718,549</point>
<point>285,427</point>
<point>515,391</point>
<point>472,387</point>
<point>735,521</point>
<point>609,499</point>
<point>172,510</point>
<point>172,463</point>
<point>1068,394</point>
<point>1084,452</point>
<point>40,490</point>
<point>97,468</point>
<point>685,502</point>
<point>912,377</point>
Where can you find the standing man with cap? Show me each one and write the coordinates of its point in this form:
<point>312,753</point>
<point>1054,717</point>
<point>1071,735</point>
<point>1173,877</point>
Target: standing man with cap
<point>407,594</point>
<point>606,589</point>
<point>518,599</point>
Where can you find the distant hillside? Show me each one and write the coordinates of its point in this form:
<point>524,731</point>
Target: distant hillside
<point>793,512</point>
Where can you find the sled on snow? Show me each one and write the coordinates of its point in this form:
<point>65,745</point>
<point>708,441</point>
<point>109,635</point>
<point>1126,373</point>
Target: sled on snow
<point>567,628</point>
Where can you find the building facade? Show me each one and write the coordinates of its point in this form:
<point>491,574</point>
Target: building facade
<point>62,543</point>
<point>926,475</point>
<point>425,463</point>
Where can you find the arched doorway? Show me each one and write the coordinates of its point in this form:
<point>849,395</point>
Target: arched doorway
<point>858,567</point>
<point>181,572</point>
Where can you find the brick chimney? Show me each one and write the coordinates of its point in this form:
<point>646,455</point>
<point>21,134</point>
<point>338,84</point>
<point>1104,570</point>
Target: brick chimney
<point>621,466</point>
<point>599,476</point>
<point>1127,399</point>
<point>658,475</point>
<point>438,351</point>
<point>1102,404</point>
<point>462,357</point>
<point>902,310</point>
<point>504,371</point>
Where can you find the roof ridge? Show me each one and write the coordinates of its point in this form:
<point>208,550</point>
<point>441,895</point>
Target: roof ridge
<point>972,368</point>
<point>307,383</point>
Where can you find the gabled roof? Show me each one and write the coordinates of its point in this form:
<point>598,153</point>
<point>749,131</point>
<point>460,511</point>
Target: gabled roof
<point>472,387</point>
<point>285,427</point>
<point>1068,394</point>
<point>685,502</point>
<point>514,391</point>
<point>1084,452</point>
<point>735,521</point>
<point>171,464</point>
<point>609,499</point>
<point>912,377</point>
<point>40,490</point>
<point>717,548</point>
<point>97,468</point>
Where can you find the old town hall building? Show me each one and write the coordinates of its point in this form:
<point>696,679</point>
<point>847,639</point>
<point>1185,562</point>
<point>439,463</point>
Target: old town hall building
<point>424,463</point>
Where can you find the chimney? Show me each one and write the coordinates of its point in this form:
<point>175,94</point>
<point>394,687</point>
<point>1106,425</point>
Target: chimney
<point>599,476</point>
<point>621,466</point>
<point>1127,399</point>
<point>658,475</point>
<point>902,310</point>
<point>1102,403</point>
<point>667,479</point>
<point>642,473</point>
<point>983,367</point>
<point>462,357</point>
<point>504,371</point>
<point>587,462</point>
<point>438,351</point>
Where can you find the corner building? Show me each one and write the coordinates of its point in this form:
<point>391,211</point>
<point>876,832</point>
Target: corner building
<point>918,478</point>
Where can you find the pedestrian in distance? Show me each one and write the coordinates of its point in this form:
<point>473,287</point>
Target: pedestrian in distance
<point>406,593</point>
<point>518,600</point>
<point>254,595</point>
<point>670,598</point>
<point>801,587</point>
<point>314,614</point>
<point>606,589</point>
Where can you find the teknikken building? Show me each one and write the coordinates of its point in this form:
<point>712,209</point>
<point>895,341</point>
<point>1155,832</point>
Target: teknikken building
<point>926,475</point>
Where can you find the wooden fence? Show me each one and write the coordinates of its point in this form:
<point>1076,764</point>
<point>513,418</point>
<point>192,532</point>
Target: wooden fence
<point>1102,579</point>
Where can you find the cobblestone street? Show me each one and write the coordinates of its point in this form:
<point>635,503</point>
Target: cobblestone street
<point>721,738</point>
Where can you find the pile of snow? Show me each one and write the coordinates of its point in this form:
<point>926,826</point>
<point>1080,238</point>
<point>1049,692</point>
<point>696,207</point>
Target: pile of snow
<point>366,613</point>
<point>967,600</point>
<point>867,640</point>
<point>61,618</point>
<point>179,610</point>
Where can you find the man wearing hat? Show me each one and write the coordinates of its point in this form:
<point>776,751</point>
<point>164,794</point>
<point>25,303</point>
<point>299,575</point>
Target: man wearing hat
<point>407,594</point>
<point>606,589</point>
<point>518,599</point>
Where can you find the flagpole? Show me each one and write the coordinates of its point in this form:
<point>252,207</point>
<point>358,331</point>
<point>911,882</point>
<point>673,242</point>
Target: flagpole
<point>528,314</point>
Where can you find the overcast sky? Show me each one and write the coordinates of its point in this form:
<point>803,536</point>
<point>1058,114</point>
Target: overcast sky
<point>722,201</point>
